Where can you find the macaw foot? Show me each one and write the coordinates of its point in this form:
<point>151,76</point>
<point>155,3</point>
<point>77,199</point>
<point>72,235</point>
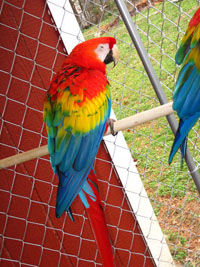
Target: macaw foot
<point>110,122</point>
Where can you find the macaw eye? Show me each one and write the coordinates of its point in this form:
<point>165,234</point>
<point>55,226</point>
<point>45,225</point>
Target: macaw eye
<point>102,50</point>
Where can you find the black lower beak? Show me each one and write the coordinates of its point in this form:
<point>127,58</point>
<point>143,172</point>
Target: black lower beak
<point>109,58</point>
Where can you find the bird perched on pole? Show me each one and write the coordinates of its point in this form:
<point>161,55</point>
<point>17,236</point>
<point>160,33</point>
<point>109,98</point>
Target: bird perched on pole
<point>186,98</point>
<point>76,109</point>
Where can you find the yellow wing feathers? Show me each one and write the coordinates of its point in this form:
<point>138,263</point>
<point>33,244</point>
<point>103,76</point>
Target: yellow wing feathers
<point>74,114</point>
<point>85,117</point>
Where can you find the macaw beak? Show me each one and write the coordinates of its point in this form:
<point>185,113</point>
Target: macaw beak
<point>115,55</point>
<point>112,56</point>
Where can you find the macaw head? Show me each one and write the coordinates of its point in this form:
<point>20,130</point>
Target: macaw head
<point>94,53</point>
<point>195,19</point>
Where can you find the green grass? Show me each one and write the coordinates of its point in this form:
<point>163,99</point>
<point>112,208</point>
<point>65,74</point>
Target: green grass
<point>179,250</point>
<point>132,93</point>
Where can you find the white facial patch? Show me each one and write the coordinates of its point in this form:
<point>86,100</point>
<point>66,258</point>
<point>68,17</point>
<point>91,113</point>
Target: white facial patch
<point>102,50</point>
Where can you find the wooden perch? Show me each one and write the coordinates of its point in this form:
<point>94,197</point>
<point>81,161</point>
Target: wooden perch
<point>126,123</point>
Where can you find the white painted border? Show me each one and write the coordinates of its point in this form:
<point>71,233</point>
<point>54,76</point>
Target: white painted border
<point>71,35</point>
<point>138,198</point>
<point>66,23</point>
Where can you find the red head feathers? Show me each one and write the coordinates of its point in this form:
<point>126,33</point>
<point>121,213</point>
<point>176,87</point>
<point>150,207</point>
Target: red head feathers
<point>195,19</point>
<point>85,54</point>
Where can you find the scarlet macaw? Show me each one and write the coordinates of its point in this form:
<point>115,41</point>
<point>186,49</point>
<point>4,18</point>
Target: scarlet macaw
<point>186,98</point>
<point>76,109</point>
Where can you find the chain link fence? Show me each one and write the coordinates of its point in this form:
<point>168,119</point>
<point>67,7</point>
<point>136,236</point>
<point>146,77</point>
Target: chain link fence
<point>161,25</point>
<point>171,190</point>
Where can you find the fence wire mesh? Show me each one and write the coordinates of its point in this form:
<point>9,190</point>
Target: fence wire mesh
<point>173,195</point>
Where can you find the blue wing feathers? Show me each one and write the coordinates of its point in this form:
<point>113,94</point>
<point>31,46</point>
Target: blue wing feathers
<point>60,149</point>
<point>189,108</point>
<point>196,104</point>
<point>85,150</point>
<point>67,193</point>
<point>187,97</point>
<point>70,154</point>
<point>183,87</point>
<point>75,167</point>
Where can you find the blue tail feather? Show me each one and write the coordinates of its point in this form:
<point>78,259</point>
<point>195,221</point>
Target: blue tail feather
<point>181,136</point>
<point>183,148</point>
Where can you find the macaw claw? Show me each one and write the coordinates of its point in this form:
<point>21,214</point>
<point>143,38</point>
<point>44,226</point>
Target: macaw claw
<point>110,123</point>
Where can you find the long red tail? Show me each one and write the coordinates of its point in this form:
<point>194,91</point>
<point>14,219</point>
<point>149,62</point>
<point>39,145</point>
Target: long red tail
<point>98,224</point>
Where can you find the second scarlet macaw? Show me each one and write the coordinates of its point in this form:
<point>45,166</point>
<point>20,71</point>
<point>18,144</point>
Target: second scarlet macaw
<point>186,98</point>
<point>76,109</point>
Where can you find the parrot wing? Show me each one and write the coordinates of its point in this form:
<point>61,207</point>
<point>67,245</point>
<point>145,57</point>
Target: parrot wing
<point>186,98</point>
<point>76,118</point>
